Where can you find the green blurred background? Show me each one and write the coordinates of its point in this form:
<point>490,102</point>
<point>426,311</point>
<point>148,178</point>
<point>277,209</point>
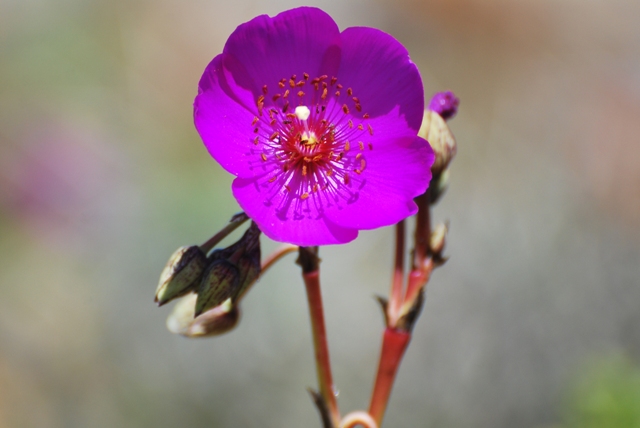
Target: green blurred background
<point>534,321</point>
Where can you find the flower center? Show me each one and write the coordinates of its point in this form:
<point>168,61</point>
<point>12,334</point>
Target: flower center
<point>310,140</point>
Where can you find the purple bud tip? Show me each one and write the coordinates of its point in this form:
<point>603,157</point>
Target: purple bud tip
<point>445,104</point>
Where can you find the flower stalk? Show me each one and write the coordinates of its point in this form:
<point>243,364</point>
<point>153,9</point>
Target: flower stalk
<point>309,261</point>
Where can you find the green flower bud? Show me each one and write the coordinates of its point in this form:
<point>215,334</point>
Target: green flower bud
<point>220,282</point>
<point>181,274</point>
<point>436,131</point>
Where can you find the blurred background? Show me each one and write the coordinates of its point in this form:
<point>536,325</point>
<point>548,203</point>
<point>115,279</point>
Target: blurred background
<point>533,322</point>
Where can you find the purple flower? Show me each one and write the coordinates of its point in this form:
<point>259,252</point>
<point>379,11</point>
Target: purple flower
<point>445,104</point>
<point>319,126</point>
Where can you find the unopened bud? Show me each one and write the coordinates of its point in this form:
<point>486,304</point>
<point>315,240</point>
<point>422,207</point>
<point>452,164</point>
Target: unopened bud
<point>213,322</point>
<point>438,238</point>
<point>436,131</point>
<point>219,283</point>
<point>181,274</point>
<point>445,104</point>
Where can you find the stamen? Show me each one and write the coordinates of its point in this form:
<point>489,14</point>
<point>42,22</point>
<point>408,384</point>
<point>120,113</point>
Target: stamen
<point>347,146</point>
<point>358,156</point>
<point>365,116</point>
<point>272,179</point>
<point>370,129</point>
<point>255,130</point>
<point>323,77</point>
<point>264,157</point>
<point>334,80</point>
<point>306,76</point>
<point>255,120</point>
<point>273,136</point>
<point>349,91</point>
<point>287,187</point>
<point>255,140</point>
<point>286,93</point>
<point>360,127</point>
<point>300,94</point>
<point>358,107</point>
<point>301,83</point>
<point>324,94</point>
<point>370,146</point>
<point>276,97</point>
<point>281,82</point>
<point>264,89</point>
<point>315,188</point>
<point>339,86</point>
<point>337,93</point>
<point>260,104</point>
<point>304,196</point>
<point>350,123</point>
<point>285,107</point>
<point>361,144</point>
<point>345,109</point>
<point>304,170</point>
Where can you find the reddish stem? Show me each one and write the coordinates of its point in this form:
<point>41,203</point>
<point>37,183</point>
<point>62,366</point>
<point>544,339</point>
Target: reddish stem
<point>395,302</point>
<point>394,344</point>
<point>321,347</point>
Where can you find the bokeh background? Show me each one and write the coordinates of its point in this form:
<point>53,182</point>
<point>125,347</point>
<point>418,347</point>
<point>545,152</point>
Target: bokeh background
<point>533,322</point>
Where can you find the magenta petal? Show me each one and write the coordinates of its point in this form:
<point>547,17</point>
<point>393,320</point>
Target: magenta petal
<point>393,177</point>
<point>288,220</point>
<point>379,70</point>
<point>223,112</point>
<point>294,42</point>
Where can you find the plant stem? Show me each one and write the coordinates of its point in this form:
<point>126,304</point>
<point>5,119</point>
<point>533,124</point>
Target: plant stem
<point>234,223</point>
<point>395,301</point>
<point>311,277</point>
<point>394,344</point>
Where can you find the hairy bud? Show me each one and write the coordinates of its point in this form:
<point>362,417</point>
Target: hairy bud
<point>436,131</point>
<point>181,274</point>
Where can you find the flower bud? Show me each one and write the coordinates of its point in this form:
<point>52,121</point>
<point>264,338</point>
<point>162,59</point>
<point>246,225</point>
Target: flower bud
<point>220,282</point>
<point>435,130</point>
<point>181,274</point>
<point>213,322</point>
<point>445,104</point>
<point>438,238</point>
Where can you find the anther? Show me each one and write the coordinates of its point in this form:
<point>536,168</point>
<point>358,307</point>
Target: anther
<point>337,93</point>
<point>304,196</point>
<point>360,127</point>
<point>334,80</point>
<point>281,83</point>
<point>370,146</point>
<point>286,122</point>
<point>255,130</point>
<point>358,156</point>
<point>264,89</point>
<point>324,93</point>
<point>365,116</point>
<point>339,86</point>
<point>273,122</point>
<point>361,144</point>
<point>264,157</point>
<point>345,109</point>
<point>324,85</point>
<point>276,96</point>
<point>363,164</point>
<point>349,91</point>
<point>370,129</point>
<point>306,76</point>
<point>272,179</point>
<point>255,120</point>
<point>300,83</point>
<point>287,187</point>
<point>316,158</point>
<point>315,80</point>
<point>285,107</point>
<point>300,94</point>
<point>356,100</point>
<point>273,136</point>
<point>346,178</point>
<point>347,146</point>
<point>255,140</point>
<point>304,170</point>
<point>350,123</point>
<point>286,93</point>
<point>358,107</point>
<point>323,77</point>
<point>315,188</point>
<point>292,83</point>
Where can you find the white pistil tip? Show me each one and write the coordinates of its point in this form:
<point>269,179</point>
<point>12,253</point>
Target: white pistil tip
<point>302,112</point>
